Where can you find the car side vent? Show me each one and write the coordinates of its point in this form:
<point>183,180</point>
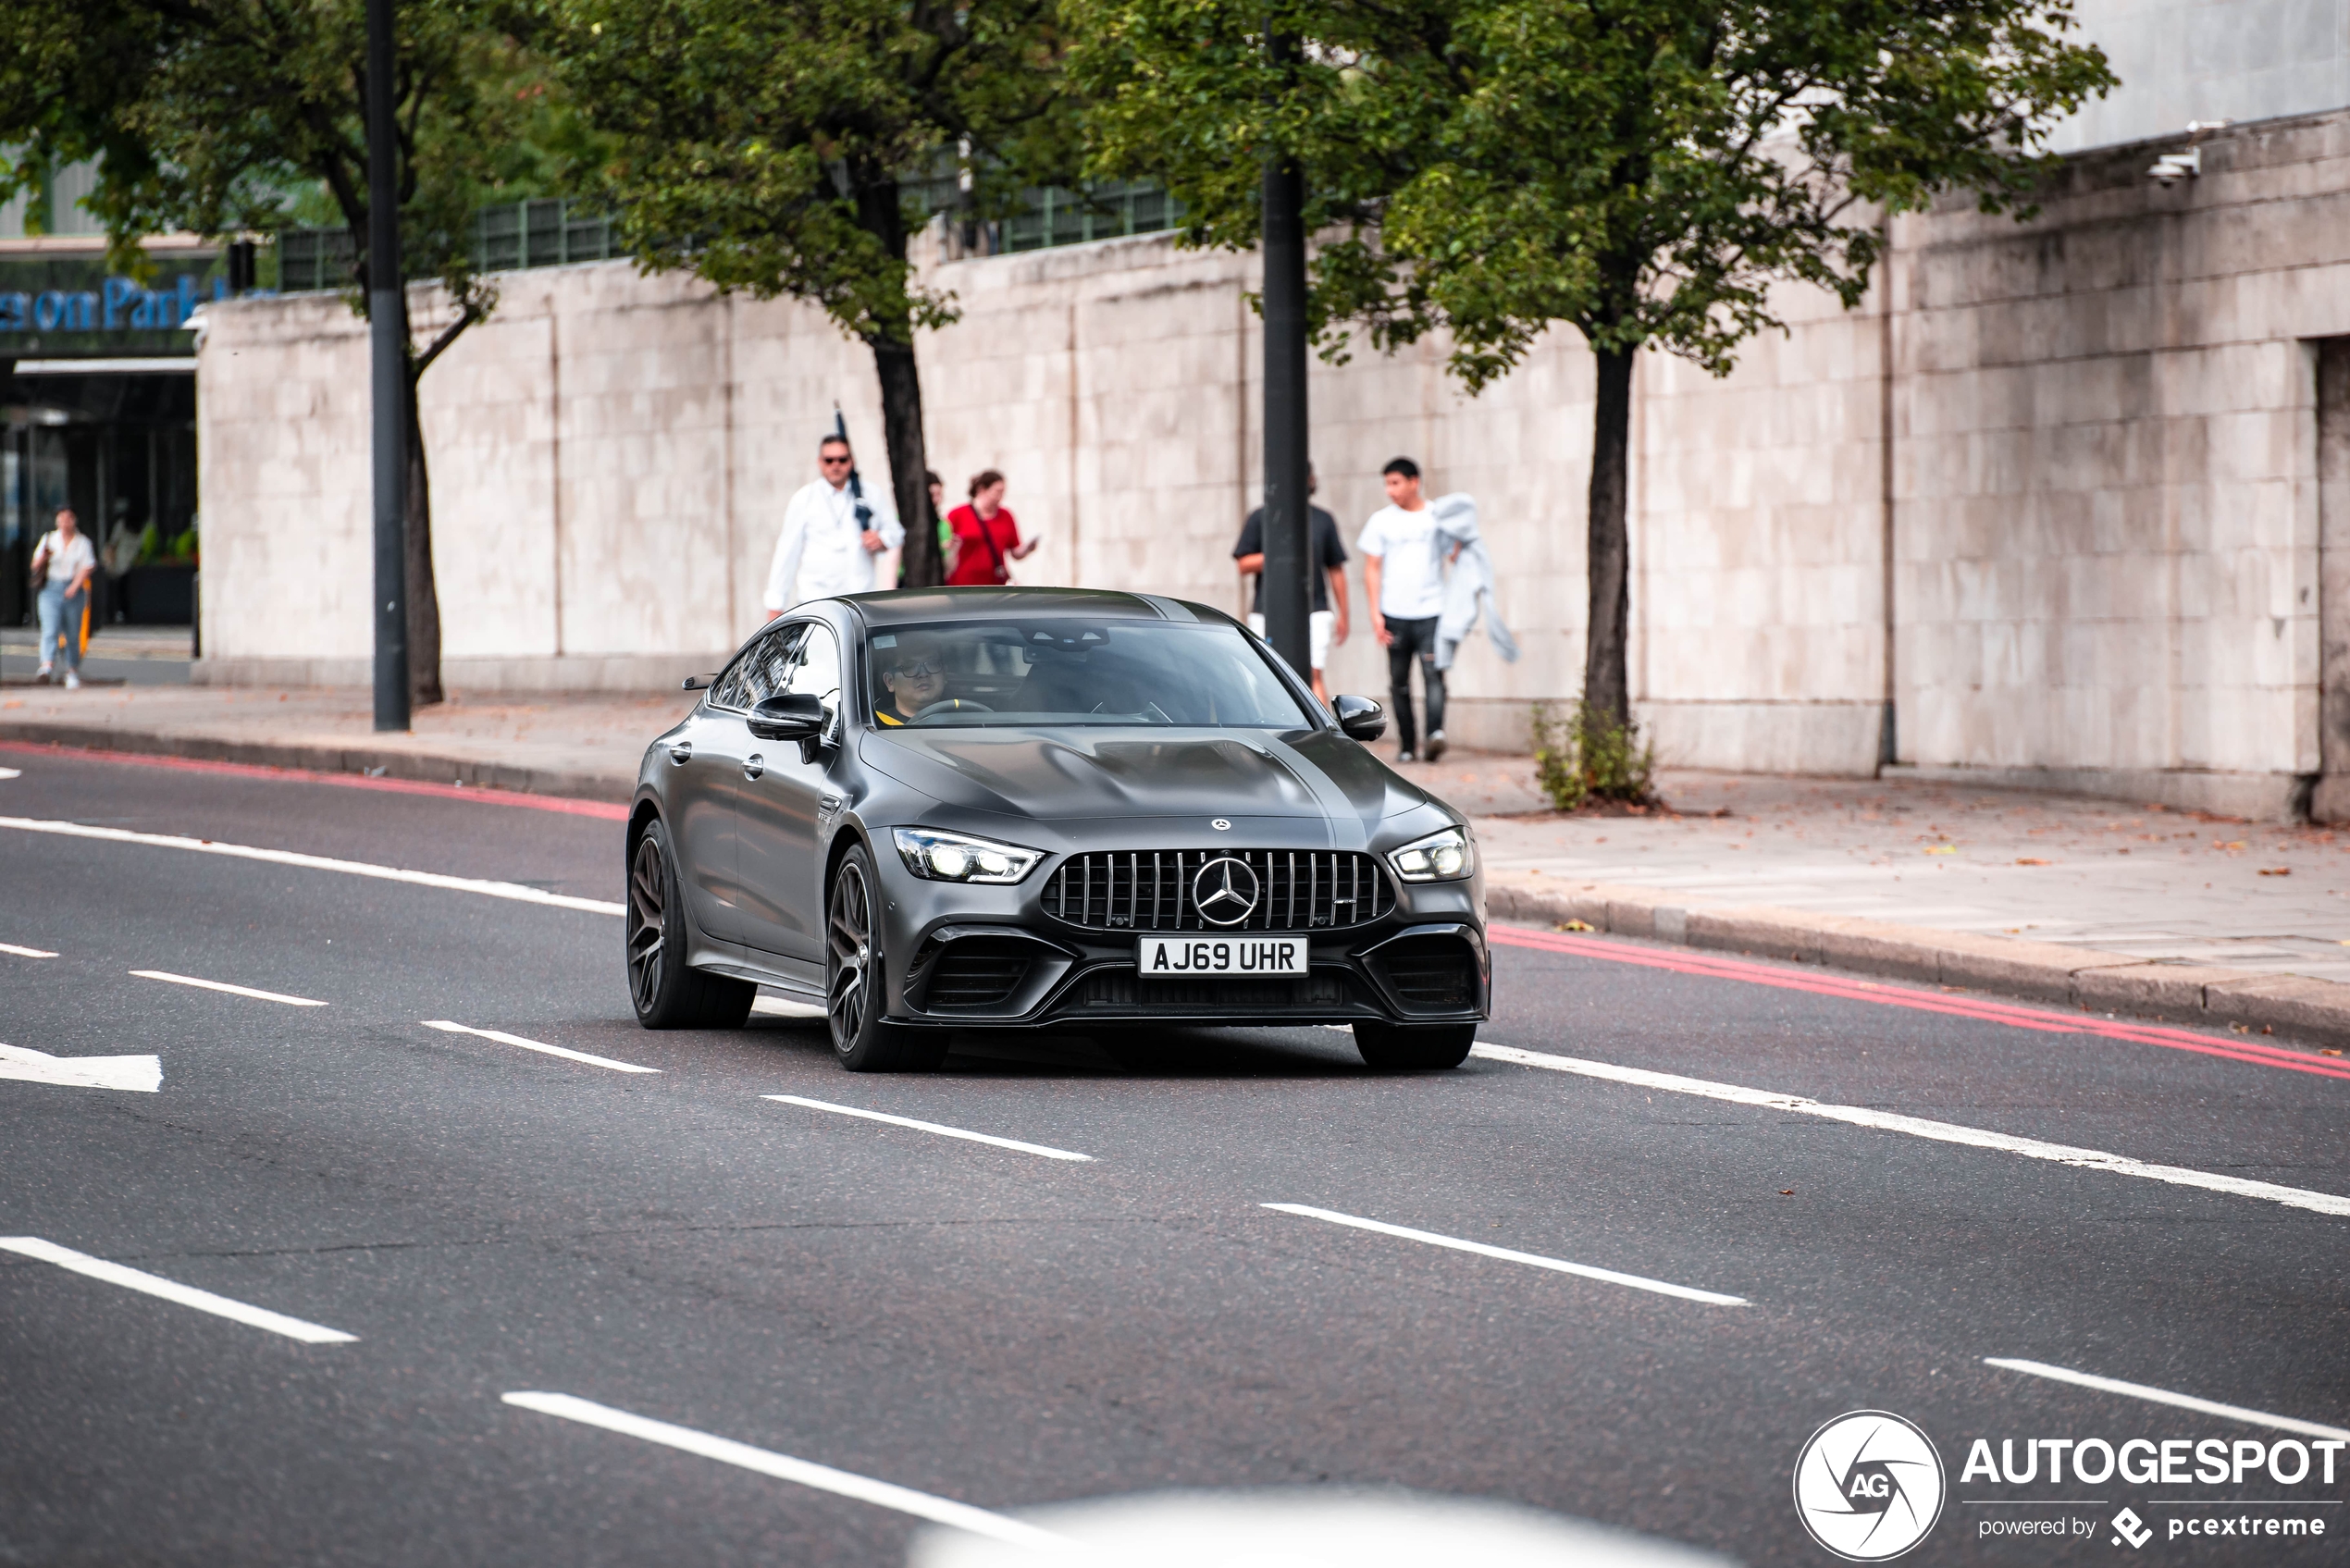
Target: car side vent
<point>1152,889</point>
<point>1430,971</point>
<point>974,974</point>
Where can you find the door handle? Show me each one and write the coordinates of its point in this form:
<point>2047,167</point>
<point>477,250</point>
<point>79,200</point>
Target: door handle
<point>754,765</point>
<point>682,752</point>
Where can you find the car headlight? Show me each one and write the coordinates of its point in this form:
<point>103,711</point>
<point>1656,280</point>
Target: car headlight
<point>954,857</point>
<point>1441,856</point>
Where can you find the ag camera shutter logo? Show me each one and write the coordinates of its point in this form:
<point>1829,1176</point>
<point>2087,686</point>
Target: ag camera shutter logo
<point>1869,1485</point>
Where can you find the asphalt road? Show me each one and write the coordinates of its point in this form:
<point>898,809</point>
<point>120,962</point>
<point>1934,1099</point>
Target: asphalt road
<point>1010,1331</point>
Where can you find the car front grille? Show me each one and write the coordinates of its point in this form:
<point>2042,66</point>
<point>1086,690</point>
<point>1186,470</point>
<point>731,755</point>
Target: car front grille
<point>1151,890</point>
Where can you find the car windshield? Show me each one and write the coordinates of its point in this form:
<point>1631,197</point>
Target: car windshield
<point>1066,671</point>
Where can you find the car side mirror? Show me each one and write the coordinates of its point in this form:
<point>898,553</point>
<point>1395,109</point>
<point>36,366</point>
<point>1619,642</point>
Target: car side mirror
<point>792,715</point>
<point>1359,718</point>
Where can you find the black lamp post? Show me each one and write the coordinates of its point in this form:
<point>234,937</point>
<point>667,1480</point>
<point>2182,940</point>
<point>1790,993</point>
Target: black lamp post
<point>388,379</point>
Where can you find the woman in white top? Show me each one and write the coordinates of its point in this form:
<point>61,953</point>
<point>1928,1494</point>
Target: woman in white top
<point>62,563</point>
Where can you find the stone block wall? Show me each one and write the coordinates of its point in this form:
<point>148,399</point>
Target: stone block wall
<point>2051,489</point>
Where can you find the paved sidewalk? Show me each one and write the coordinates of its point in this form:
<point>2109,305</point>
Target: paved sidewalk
<point>2097,903</point>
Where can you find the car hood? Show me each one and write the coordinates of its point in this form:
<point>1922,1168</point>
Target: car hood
<point>1081,773</point>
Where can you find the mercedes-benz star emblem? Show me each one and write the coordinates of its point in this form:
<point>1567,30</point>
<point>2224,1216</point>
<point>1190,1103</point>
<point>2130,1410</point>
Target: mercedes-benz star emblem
<point>1221,825</point>
<point>1224,892</point>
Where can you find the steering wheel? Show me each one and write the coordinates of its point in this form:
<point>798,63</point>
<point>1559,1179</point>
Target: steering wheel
<point>952,705</point>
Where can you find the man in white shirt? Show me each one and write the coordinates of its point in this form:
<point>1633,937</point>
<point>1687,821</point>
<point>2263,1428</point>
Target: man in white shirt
<point>63,563</point>
<point>825,548</point>
<point>1404,575</point>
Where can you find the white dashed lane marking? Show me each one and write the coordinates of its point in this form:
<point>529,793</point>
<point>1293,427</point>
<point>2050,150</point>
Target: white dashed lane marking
<point>503,1039</point>
<point>1532,1260</point>
<point>1918,1126</point>
<point>784,1467</point>
<point>2164,1396</point>
<point>172,1290</point>
<point>944,1131</point>
<point>225,986</point>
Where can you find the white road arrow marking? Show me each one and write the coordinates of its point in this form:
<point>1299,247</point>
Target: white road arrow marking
<point>142,1073</point>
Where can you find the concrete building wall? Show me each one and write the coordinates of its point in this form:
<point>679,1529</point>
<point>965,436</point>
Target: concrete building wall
<point>2182,60</point>
<point>2062,472</point>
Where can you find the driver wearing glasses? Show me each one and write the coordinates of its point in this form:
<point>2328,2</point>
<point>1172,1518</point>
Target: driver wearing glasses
<point>915,673</point>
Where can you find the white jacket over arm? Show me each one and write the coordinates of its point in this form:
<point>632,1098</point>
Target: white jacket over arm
<point>820,551</point>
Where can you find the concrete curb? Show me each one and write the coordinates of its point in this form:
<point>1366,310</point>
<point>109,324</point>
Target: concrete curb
<point>2289,1006</point>
<point>428,767</point>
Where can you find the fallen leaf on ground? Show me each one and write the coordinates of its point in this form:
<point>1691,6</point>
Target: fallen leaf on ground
<point>1577,925</point>
<point>2276,870</point>
<point>1943,849</point>
<point>2031,860</point>
<point>1787,1192</point>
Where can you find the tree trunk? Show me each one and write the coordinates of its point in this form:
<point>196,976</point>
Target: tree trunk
<point>1605,687</point>
<point>902,392</point>
<point>424,600</point>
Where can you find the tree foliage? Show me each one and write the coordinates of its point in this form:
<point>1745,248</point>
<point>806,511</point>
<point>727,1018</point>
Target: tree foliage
<point>1645,171</point>
<point>772,146</point>
<point>224,116</point>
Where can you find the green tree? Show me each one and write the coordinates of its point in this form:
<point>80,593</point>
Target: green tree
<point>226,116</point>
<point>1643,170</point>
<point>775,146</point>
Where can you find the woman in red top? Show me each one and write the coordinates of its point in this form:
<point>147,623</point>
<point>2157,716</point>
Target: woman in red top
<point>987,536</point>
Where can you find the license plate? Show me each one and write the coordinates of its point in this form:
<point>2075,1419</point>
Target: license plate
<point>1168,955</point>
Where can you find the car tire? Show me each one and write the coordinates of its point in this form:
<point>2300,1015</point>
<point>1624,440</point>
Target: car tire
<point>666,992</point>
<point>1414,1047</point>
<point>854,989</point>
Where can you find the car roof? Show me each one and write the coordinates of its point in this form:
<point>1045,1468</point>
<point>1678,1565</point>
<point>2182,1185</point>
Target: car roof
<point>901,606</point>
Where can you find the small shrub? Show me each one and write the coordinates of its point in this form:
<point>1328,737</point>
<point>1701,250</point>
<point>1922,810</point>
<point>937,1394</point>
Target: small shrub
<point>1582,756</point>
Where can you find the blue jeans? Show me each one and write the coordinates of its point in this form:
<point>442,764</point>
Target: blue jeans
<point>61,617</point>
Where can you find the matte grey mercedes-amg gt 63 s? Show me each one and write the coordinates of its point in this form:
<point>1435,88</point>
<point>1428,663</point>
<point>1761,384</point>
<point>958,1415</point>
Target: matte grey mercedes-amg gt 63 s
<point>968,808</point>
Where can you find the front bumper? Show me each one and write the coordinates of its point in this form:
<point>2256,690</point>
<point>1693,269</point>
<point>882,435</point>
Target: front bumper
<point>970,957</point>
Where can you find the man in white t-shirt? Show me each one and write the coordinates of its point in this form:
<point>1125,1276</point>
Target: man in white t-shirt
<point>1404,575</point>
<point>64,561</point>
<point>829,536</point>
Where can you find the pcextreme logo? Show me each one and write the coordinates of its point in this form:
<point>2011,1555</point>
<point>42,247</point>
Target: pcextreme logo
<point>1869,1485</point>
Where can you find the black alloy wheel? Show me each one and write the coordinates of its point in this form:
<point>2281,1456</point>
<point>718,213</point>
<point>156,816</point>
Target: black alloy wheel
<point>1414,1047</point>
<point>853,981</point>
<point>667,995</point>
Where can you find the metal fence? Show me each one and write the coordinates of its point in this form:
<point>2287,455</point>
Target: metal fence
<point>515,235</point>
<point>506,239</point>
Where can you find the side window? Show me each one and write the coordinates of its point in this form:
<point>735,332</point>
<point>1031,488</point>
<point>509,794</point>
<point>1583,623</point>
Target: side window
<point>815,668</point>
<point>771,663</point>
<point>744,681</point>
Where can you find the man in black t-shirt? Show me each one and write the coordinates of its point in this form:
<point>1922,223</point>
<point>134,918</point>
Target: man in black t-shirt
<point>1327,624</point>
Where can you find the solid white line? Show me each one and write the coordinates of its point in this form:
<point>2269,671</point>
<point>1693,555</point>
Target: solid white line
<point>2164,1396</point>
<point>224,985</point>
<point>1050,1154</point>
<point>502,1038</point>
<point>11,772</point>
<point>1918,1126</point>
<point>1608,1276</point>
<point>24,952</point>
<point>514,890</point>
<point>172,1290</point>
<point>783,1467</point>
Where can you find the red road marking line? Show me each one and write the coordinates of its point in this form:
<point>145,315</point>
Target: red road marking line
<point>484,794</point>
<point>2012,1014</point>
